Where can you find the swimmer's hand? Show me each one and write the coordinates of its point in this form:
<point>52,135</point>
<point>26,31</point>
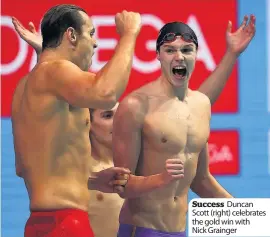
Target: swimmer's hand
<point>110,180</point>
<point>128,23</point>
<point>120,183</point>
<point>30,35</point>
<point>239,40</point>
<point>174,170</point>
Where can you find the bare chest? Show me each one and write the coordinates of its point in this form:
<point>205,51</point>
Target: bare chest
<point>176,126</point>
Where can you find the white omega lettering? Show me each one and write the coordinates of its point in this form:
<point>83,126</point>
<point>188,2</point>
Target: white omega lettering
<point>204,53</point>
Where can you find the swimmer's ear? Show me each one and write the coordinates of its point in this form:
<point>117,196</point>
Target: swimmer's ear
<point>158,58</point>
<point>71,35</point>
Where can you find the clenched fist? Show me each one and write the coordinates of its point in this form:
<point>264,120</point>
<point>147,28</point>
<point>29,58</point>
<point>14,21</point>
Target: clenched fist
<point>128,23</point>
<point>174,169</point>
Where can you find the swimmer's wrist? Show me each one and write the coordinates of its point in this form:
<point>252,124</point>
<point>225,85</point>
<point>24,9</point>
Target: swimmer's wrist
<point>129,36</point>
<point>164,179</point>
<point>92,181</point>
<point>232,55</point>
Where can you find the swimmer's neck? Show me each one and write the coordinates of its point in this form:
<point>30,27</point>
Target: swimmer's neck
<point>55,54</point>
<point>100,152</point>
<point>171,91</point>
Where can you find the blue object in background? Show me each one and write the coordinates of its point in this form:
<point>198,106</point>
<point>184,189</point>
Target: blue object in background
<point>252,121</point>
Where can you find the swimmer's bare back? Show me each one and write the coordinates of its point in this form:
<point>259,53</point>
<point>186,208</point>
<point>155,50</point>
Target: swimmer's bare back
<point>170,129</point>
<point>50,137</point>
<point>51,125</point>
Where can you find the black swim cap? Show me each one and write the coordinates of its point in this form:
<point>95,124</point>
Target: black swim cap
<point>177,28</point>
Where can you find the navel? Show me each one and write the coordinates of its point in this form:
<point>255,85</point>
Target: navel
<point>87,121</point>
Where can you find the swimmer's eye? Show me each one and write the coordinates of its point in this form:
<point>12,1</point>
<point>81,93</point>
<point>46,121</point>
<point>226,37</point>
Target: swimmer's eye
<point>170,50</point>
<point>187,50</point>
<point>92,32</point>
<point>107,114</point>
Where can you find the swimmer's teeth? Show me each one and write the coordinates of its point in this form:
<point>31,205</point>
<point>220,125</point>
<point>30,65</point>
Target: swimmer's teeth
<point>179,70</point>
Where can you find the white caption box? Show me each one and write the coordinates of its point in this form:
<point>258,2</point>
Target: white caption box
<point>243,217</point>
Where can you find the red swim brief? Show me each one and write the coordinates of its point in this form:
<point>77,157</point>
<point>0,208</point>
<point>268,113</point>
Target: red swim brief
<point>58,223</point>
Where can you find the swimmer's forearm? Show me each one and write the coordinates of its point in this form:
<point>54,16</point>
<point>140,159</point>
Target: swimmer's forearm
<point>115,74</point>
<point>214,84</point>
<point>210,188</point>
<point>140,185</point>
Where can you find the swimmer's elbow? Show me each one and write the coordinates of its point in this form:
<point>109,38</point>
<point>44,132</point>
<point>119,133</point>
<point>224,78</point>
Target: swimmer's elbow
<point>200,184</point>
<point>108,100</point>
<point>109,103</point>
<point>19,172</point>
<point>18,167</point>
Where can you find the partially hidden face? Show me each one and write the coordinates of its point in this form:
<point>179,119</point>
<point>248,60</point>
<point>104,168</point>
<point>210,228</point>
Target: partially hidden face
<point>102,125</point>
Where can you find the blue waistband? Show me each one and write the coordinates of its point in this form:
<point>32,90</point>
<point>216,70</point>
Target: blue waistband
<point>126,230</point>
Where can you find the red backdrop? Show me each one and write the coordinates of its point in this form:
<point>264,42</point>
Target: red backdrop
<point>208,18</point>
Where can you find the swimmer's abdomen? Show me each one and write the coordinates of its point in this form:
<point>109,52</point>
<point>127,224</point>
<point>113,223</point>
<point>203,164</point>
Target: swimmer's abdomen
<point>161,214</point>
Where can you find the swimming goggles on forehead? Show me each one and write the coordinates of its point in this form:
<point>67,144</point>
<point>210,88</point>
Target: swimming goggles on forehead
<point>170,37</point>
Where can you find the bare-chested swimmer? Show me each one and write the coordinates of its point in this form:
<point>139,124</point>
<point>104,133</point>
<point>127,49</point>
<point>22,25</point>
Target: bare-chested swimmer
<point>101,133</point>
<point>51,121</point>
<point>103,207</point>
<point>160,133</point>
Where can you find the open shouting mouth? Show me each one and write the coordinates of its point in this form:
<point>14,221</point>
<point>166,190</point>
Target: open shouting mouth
<point>179,72</point>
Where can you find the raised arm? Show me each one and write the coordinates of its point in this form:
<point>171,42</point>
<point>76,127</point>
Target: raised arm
<point>204,184</point>
<point>87,90</point>
<point>81,89</point>
<point>237,42</point>
<point>115,74</point>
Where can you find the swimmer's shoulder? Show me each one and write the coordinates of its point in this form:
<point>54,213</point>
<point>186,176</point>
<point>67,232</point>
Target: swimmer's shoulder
<point>20,86</point>
<point>201,98</point>
<point>51,68</point>
<point>136,103</point>
<point>60,65</point>
<point>147,90</point>
<point>202,101</point>
<point>44,75</point>
<point>144,93</point>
